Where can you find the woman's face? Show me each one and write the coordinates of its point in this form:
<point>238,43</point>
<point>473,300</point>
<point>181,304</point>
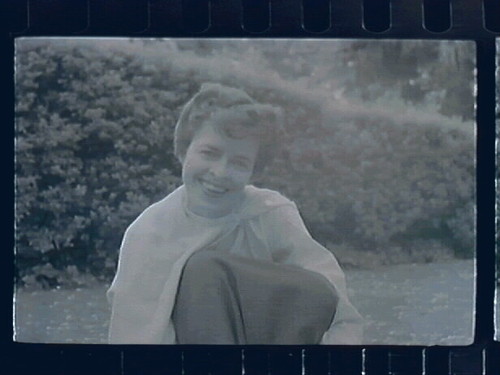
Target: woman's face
<point>215,171</point>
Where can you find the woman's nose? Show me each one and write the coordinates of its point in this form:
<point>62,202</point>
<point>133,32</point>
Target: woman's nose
<point>220,168</point>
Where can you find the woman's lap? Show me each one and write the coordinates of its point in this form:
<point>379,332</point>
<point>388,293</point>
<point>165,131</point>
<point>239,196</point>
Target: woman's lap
<point>227,299</point>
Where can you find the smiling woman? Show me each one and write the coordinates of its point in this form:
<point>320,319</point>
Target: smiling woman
<point>219,260</point>
<point>215,170</point>
<point>378,155</point>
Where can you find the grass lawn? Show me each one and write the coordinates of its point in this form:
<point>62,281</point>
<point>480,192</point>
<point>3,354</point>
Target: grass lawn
<point>414,304</point>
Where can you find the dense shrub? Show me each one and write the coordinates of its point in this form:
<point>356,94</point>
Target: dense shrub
<point>94,143</point>
<point>377,186</point>
<point>93,148</point>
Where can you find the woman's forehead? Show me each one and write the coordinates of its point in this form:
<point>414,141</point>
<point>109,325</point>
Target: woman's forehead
<point>215,136</point>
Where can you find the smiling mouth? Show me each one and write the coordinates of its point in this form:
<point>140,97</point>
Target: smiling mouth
<point>212,189</point>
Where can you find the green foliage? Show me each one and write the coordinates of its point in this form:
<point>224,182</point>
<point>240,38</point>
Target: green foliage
<point>416,75</point>
<point>376,185</point>
<point>94,147</point>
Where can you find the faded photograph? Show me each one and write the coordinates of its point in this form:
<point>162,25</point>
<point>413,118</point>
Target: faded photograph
<point>244,191</point>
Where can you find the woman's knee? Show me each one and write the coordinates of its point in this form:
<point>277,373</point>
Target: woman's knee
<point>320,291</point>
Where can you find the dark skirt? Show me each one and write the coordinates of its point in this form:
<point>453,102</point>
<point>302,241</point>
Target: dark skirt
<point>227,299</point>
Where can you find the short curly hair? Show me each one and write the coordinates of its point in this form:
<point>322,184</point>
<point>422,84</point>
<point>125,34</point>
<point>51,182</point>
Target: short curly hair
<point>234,113</point>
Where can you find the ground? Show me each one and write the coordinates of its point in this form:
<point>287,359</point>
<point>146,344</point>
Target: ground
<point>412,304</point>
<point>416,304</point>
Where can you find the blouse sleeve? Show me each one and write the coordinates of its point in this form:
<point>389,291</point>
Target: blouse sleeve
<point>291,243</point>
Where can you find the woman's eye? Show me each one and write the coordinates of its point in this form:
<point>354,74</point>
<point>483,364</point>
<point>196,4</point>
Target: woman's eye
<point>209,153</point>
<point>242,164</point>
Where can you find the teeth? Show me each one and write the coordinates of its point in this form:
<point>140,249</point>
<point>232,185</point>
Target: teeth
<point>213,188</point>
